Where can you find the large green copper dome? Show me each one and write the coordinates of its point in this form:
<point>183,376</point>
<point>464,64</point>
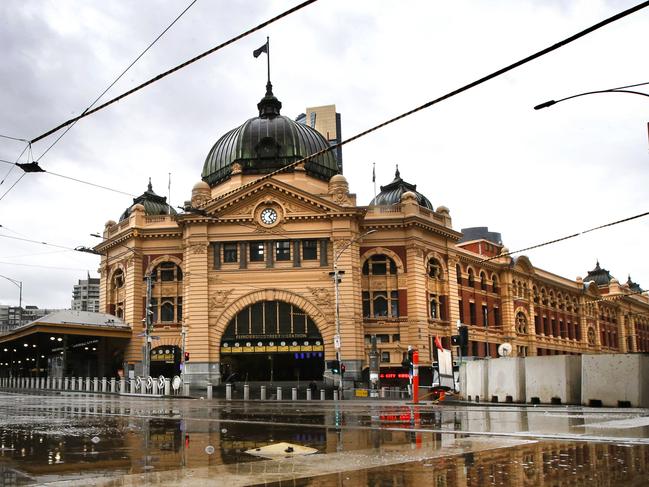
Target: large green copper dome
<point>266,143</point>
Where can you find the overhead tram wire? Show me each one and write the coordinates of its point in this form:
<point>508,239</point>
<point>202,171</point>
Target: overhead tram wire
<point>567,237</point>
<point>118,78</point>
<point>448,95</point>
<point>76,179</point>
<point>174,69</point>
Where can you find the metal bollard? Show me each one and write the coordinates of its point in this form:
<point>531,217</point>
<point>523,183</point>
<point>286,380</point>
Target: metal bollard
<point>95,385</point>
<point>185,389</point>
<point>322,394</point>
<point>104,384</point>
<point>73,383</point>
<point>31,382</point>
<point>335,395</point>
<point>382,392</point>
<point>294,394</point>
<point>308,394</point>
<point>66,383</point>
<point>279,393</point>
<point>122,385</point>
<point>112,384</point>
<point>143,385</point>
<point>228,392</point>
<point>40,383</point>
<point>133,386</point>
<point>167,387</point>
<point>210,392</point>
<point>87,384</point>
<point>246,392</point>
<point>263,393</point>
<point>154,390</point>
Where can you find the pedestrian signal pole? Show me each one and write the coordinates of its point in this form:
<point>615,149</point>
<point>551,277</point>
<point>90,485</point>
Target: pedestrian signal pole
<point>415,376</point>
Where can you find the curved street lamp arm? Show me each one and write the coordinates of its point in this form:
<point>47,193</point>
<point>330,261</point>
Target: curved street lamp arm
<point>339,253</point>
<point>621,89</point>
<point>13,281</point>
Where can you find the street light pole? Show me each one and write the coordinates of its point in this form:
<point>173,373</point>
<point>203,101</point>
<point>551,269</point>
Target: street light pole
<point>336,276</point>
<point>621,89</point>
<point>19,284</point>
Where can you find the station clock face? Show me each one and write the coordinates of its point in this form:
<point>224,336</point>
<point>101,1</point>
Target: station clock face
<point>268,216</point>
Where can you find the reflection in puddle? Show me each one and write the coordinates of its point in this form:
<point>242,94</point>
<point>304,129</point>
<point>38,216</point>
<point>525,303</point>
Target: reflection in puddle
<point>50,439</point>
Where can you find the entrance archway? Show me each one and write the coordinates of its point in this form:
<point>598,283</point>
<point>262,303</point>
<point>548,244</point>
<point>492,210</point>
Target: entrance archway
<point>272,341</point>
<point>165,360</point>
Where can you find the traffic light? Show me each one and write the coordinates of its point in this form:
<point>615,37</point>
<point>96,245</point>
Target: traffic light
<point>407,358</point>
<point>334,366</point>
<point>186,356</point>
<point>462,340</point>
<point>342,368</point>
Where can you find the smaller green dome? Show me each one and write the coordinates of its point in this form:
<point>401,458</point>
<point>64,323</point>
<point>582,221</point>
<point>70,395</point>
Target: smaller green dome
<point>153,204</point>
<point>391,193</point>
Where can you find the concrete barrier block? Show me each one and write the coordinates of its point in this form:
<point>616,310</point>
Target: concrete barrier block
<point>474,380</point>
<point>553,379</point>
<point>506,381</point>
<point>615,380</point>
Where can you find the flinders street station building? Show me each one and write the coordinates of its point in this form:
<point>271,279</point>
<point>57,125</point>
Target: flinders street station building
<point>241,280</point>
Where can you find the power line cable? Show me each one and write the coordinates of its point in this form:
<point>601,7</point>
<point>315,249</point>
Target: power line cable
<point>448,95</point>
<point>36,242</point>
<point>12,186</point>
<point>13,138</point>
<point>13,164</point>
<point>174,69</point>
<point>45,266</point>
<point>567,237</point>
<point>74,179</point>
<point>118,78</point>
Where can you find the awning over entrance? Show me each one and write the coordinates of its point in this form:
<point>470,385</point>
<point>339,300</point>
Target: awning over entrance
<point>65,343</point>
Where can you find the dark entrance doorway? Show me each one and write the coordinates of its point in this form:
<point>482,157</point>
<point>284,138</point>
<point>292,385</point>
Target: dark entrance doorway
<point>272,341</point>
<point>165,361</point>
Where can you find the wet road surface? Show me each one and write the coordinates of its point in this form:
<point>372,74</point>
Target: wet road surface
<point>83,439</point>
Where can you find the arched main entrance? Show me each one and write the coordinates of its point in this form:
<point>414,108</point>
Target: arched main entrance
<point>272,341</point>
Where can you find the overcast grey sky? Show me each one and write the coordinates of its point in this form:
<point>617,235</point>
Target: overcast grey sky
<point>485,154</point>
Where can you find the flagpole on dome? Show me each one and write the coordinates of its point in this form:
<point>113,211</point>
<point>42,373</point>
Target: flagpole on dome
<point>374,178</point>
<point>268,56</point>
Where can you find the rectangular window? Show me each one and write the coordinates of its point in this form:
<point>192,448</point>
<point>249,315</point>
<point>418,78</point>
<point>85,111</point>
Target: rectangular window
<point>283,250</point>
<point>396,337</point>
<point>496,316</point>
<point>433,306</point>
<point>385,357</point>
<point>257,251</point>
<point>485,316</point>
<point>460,304</point>
<point>382,338</point>
<point>472,316</point>
<point>367,313</point>
<point>179,309</point>
<point>309,249</point>
<point>154,308</point>
<point>230,252</point>
<point>394,305</point>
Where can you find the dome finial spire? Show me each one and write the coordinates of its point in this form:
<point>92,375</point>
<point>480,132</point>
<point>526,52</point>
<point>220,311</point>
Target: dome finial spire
<point>269,106</point>
<point>149,186</point>
<point>397,174</point>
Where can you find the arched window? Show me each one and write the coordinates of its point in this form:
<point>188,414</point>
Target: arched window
<point>494,279</point>
<point>379,265</point>
<point>471,278</point>
<point>167,272</point>
<point>118,279</point>
<point>167,311</point>
<point>381,296</point>
<point>483,281</point>
<point>521,323</point>
<point>458,273</point>
<point>435,269</point>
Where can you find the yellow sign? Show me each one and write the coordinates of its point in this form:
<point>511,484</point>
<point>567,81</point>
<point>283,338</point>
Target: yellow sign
<point>361,392</point>
<point>294,349</point>
<point>305,348</point>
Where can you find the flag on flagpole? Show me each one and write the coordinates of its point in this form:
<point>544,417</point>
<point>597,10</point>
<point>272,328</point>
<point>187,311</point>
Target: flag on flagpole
<point>438,343</point>
<point>257,52</point>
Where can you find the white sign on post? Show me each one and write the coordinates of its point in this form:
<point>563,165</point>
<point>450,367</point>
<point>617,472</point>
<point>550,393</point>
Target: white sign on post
<point>337,342</point>
<point>445,361</point>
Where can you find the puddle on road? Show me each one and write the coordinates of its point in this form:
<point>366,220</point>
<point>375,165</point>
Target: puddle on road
<point>89,442</point>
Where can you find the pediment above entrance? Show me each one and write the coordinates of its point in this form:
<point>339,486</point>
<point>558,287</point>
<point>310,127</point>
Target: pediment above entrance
<point>280,202</point>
